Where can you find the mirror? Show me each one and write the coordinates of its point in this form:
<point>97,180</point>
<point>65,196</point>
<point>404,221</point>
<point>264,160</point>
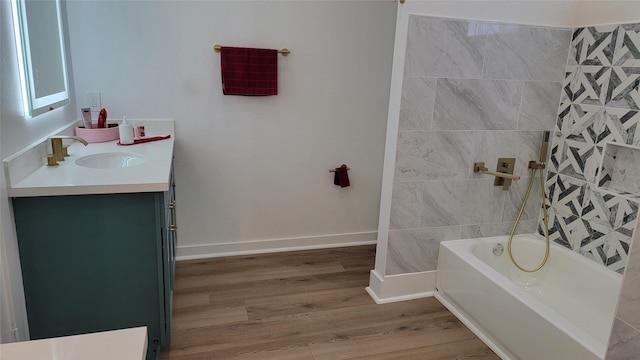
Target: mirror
<point>41,53</point>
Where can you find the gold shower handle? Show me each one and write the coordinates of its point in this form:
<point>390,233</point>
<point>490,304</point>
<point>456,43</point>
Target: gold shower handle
<point>479,167</point>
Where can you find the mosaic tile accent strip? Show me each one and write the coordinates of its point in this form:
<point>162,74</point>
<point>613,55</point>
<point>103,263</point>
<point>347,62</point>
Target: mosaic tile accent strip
<point>606,169</point>
<point>621,126</point>
<point>565,196</point>
<point>594,45</point>
<point>599,104</point>
<point>623,88</point>
<point>627,48</point>
<point>610,220</point>
<point>597,224</point>
<point>564,110</point>
<point>590,85</point>
<point>578,153</point>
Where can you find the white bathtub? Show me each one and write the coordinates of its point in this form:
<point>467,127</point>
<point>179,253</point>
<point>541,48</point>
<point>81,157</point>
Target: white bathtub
<point>563,312</point>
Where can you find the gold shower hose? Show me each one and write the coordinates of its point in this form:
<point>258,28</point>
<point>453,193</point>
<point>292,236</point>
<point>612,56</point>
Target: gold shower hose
<point>544,217</point>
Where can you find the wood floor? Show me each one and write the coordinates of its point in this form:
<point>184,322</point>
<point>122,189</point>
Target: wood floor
<point>305,305</point>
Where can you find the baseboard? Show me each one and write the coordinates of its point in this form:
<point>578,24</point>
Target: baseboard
<point>392,288</point>
<point>275,245</point>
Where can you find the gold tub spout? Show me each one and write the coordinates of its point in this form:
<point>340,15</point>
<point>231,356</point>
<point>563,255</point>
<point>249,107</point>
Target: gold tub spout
<point>481,169</point>
<point>504,172</point>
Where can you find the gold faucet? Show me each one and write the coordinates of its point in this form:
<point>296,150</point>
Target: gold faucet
<point>60,151</point>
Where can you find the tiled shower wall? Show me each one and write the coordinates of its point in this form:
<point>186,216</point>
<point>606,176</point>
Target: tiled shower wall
<point>624,342</point>
<point>472,91</point>
<point>599,104</point>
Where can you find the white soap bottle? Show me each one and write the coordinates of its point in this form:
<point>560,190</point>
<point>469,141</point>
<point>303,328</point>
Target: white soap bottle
<point>126,132</point>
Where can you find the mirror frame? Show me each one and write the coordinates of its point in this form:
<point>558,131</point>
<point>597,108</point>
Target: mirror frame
<point>35,106</point>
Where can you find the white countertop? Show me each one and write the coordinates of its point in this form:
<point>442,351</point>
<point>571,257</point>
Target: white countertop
<point>125,344</point>
<point>71,179</point>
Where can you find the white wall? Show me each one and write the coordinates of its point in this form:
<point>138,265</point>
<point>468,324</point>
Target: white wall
<point>606,12</point>
<point>563,13</point>
<point>16,132</point>
<point>532,12</point>
<point>251,168</point>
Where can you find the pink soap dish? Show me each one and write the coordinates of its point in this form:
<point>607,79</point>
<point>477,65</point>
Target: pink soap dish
<point>99,134</point>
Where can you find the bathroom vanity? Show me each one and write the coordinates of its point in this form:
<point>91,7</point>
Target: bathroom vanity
<point>97,245</point>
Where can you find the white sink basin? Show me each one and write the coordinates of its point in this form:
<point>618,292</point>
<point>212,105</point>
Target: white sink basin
<point>111,160</point>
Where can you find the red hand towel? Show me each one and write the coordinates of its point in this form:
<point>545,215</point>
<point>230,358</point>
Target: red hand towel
<point>145,140</point>
<point>341,177</point>
<point>247,71</point>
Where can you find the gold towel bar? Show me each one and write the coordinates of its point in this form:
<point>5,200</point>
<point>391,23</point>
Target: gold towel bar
<point>334,170</point>
<point>283,51</point>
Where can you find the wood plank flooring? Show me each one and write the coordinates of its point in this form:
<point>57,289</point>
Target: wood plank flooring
<point>307,305</point>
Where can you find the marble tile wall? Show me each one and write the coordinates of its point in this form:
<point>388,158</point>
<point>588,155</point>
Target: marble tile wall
<point>472,91</point>
<point>624,342</point>
<point>599,104</point>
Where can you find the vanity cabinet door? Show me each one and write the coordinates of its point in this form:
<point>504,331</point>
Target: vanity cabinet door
<point>169,240</point>
<point>92,263</point>
<point>173,230</point>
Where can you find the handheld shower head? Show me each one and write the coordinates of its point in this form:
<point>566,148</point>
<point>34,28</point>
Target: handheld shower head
<point>544,146</point>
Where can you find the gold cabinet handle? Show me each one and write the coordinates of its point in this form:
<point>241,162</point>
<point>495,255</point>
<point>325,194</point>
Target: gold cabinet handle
<point>174,207</point>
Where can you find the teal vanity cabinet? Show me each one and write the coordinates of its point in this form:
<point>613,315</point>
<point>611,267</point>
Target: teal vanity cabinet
<point>98,262</point>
